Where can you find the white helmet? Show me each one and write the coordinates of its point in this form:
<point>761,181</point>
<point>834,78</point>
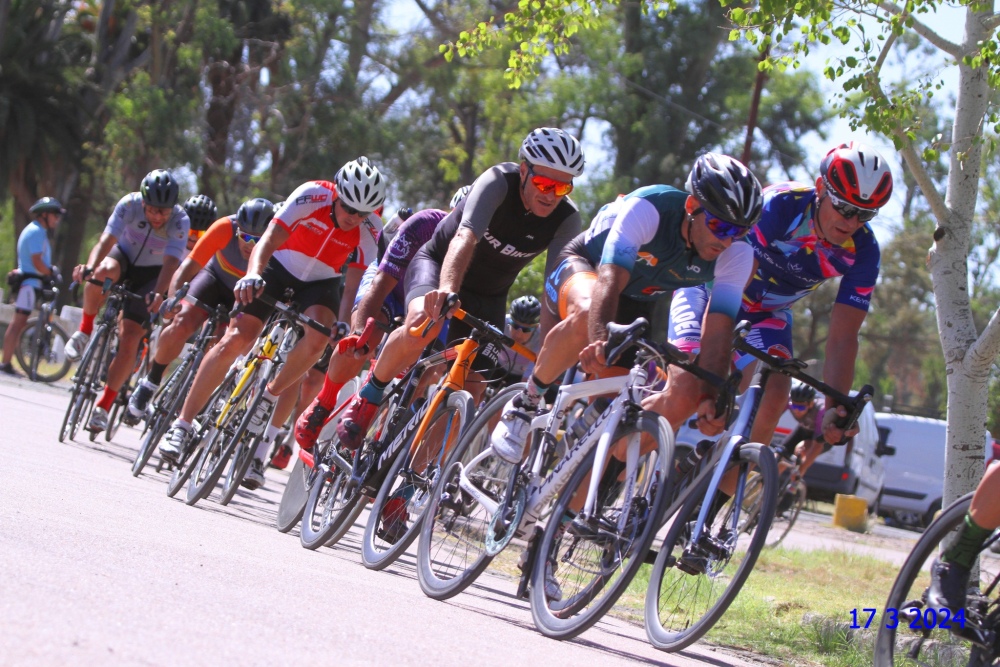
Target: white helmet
<point>555,148</point>
<point>462,193</point>
<point>360,185</point>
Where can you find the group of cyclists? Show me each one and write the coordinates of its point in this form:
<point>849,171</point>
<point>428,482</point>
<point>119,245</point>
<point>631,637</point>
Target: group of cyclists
<point>723,249</point>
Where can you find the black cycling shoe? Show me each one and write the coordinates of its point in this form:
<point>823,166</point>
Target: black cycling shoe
<point>949,584</point>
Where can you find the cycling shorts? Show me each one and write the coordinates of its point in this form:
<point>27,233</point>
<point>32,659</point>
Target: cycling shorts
<point>770,331</point>
<point>141,280</point>
<point>277,279</point>
<point>207,288</point>
<point>571,270</point>
<point>27,297</point>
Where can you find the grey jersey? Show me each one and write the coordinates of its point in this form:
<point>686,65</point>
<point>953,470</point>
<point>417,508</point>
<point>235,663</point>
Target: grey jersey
<point>143,245</point>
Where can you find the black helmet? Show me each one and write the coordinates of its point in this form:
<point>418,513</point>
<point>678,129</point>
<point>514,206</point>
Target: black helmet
<point>525,310</point>
<point>202,212</point>
<point>726,189</point>
<point>254,216</point>
<point>46,205</point>
<point>159,189</point>
<point>802,393</point>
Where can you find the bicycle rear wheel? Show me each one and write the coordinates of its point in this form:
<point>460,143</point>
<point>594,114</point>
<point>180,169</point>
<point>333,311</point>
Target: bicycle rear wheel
<point>41,351</point>
<point>594,561</point>
<point>218,443</point>
<point>293,498</point>
<point>394,519</point>
<point>692,584</point>
<point>782,523</point>
<point>239,465</point>
<point>901,645</point>
<point>165,406</point>
<point>452,553</point>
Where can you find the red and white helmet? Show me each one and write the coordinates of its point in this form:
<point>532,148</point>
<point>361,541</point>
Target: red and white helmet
<point>857,174</point>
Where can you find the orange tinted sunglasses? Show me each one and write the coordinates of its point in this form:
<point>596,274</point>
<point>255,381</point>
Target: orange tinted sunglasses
<point>546,185</point>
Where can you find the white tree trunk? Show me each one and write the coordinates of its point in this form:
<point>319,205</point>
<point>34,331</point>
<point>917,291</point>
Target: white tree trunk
<point>967,362</point>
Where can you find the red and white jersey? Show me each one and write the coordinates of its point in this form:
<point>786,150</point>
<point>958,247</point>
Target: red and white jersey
<point>317,248</point>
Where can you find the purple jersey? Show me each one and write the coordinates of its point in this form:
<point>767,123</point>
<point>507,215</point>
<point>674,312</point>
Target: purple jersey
<point>412,234</point>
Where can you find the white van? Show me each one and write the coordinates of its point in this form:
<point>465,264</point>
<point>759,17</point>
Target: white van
<point>914,477</point>
<point>853,469</point>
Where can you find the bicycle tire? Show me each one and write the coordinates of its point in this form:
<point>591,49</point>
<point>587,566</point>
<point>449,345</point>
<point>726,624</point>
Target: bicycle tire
<point>246,441</point>
<point>782,525</point>
<point>89,372</point>
<point>48,343</point>
<point>239,464</point>
<point>165,406</point>
<point>448,562</point>
<point>906,593</point>
<point>607,569</point>
<point>377,551</point>
<point>692,625</point>
<point>70,421</point>
<point>216,452</point>
<point>117,411</point>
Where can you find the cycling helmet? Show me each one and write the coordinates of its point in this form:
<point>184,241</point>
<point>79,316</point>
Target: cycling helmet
<point>525,310</point>
<point>159,189</point>
<point>459,196</point>
<point>46,205</point>
<point>802,393</point>
<point>254,216</point>
<point>202,212</point>
<point>726,189</point>
<point>555,148</point>
<point>857,174</point>
<point>360,185</point>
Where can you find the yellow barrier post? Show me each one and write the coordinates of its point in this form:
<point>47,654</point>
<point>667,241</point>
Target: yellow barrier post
<point>850,512</point>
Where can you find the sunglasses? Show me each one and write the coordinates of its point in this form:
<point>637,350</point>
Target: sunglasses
<point>850,210</point>
<point>722,229</point>
<point>546,185</point>
<point>798,406</point>
<point>349,210</point>
<point>521,327</point>
<point>250,238</point>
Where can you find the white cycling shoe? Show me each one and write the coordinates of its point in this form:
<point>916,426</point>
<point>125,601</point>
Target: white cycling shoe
<point>75,345</point>
<point>509,436</point>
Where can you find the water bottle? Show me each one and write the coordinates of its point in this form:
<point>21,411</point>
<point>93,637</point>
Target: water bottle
<point>587,419</point>
<point>684,465</point>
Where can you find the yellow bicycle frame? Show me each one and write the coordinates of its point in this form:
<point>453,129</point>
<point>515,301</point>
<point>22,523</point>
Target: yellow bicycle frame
<point>267,351</point>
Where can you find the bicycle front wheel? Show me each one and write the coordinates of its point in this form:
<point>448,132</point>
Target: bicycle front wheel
<point>452,549</point>
<point>692,584</point>
<point>165,405</point>
<point>41,351</point>
<point>85,383</point>
<point>920,635</point>
<point>588,564</point>
<point>394,519</point>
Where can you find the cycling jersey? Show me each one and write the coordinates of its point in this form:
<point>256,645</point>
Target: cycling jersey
<point>316,248</point>
<point>509,236</point>
<point>412,235</point>
<point>219,252</point>
<point>793,261</point>
<point>142,245</point>
<point>34,240</point>
<point>641,232</point>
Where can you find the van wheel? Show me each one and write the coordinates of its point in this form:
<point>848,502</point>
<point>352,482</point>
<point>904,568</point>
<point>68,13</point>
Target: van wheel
<point>934,509</point>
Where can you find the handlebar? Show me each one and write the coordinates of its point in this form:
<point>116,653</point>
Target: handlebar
<point>334,333</point>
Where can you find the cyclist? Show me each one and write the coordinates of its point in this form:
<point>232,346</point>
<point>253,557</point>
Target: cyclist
<point>802,441</point>
<point>806,236</point>
<point>34,262</point>
<point>380,296</point>
<point>218,260</point>
<point>142,243</point>
<point>523,325</point>
<point>307,242</point>
<point>202,212</point>
<point>950,572</point>
<point>513,213</point>
<point>640,248</point>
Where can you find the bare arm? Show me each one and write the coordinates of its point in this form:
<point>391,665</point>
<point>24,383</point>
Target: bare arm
<point>189,269</point>
<point>272,239</point>
<point>611,280</point>
<point>716,347</point>
<point>842,347</point>
<point>352,279</point>
<point>170,265</point>
<point>40,268</point>
<point>371,302</point>
<point>101,250</point>
<point>457,260</point>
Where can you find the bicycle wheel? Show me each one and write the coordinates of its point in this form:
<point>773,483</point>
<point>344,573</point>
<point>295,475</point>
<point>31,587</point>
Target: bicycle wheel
<point>165,405</point>
<point>594,561</point>
<point>293,498</point>
<point>217,443</point>
<point>41,351</point>
<point>85,383</point>
<point>394,519</point>
<point>692,584</point>
<point>238,466</point>
<point>452,553</point>
<point>908,642</point>
<point>118,408</point>
<point>782,523</point>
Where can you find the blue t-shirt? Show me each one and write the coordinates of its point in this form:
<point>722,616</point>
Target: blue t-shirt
<point>792,260</point>
<point>32,241</point>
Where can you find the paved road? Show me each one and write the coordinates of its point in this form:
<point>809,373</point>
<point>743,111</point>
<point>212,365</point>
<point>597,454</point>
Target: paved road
<point>103,569</point>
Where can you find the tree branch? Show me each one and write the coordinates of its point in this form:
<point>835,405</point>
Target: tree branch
<point>992,22</point>
<point>924,31</point>
<point>986,348</point>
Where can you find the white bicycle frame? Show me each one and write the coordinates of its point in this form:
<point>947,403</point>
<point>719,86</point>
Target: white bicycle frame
<point>542,490</point>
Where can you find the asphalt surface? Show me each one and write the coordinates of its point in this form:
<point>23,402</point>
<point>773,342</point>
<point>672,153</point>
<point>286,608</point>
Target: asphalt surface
<point>104,569</point>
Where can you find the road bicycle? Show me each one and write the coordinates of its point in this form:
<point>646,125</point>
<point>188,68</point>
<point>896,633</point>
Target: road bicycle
<point>911,633</point>
<point>405,424</point>
<point>167,400</point>
<point>224,435</point>
<point>41,347</point>
<point>118,414</point>
<point>605,516</point>
<point>91,373</point>
<point>713,538</point>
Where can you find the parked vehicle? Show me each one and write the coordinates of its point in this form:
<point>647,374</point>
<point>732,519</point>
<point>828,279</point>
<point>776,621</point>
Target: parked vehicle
<point>914,478</point>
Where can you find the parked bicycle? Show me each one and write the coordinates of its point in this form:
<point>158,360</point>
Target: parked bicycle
<point>40,348</point>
